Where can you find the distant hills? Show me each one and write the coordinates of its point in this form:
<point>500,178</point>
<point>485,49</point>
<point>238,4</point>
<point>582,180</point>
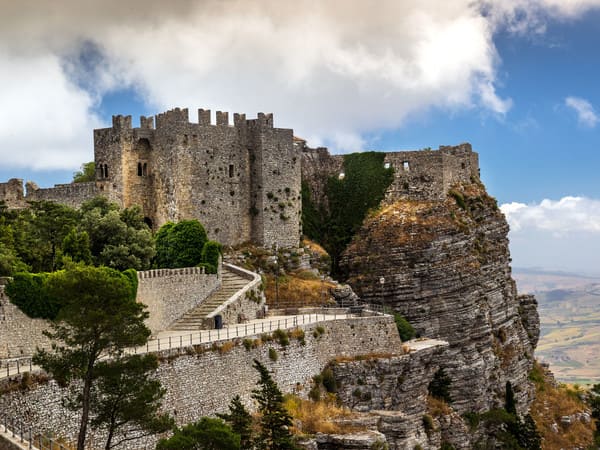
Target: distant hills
<point>569,308</point>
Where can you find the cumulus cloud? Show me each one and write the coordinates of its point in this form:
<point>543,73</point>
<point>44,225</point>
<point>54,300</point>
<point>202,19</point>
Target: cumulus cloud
<point>586,115</point>
<point>555,234</point>
<point>564,216</point>
<point>334,71</point>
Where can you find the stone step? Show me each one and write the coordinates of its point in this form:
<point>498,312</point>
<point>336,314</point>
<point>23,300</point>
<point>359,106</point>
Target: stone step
<point>194,319</point>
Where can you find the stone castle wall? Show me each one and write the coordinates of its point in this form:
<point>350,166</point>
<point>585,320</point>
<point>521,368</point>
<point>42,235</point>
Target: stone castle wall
<point>418,175</point>
<point>72,194</point>
<point>12,193</point>
<point>203,383</point>
<point>242,181</point>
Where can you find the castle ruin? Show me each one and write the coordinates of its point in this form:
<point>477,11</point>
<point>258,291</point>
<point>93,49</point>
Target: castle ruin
<point>241,180</point>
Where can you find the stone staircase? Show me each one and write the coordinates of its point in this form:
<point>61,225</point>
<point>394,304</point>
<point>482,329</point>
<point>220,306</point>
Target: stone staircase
<point>195,318</point>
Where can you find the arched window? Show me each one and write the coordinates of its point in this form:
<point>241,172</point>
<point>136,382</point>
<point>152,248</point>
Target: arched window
<point>145,169</point>
<point>139,169</point>
<point>105,170</point>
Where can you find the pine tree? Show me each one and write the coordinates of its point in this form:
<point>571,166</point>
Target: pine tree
<point>240,421</point>
<point>275,420</point>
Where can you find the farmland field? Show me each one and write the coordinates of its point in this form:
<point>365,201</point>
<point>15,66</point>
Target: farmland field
<point>569,308</point>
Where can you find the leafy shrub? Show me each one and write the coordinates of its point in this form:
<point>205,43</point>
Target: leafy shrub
<point>405,329</point>
<point>472,419</point>
<point>329,382</point>
<point>428,423</point>
<point>273,356</point>
<point>211,252</point>
<point>28,291</point>
<point>282,337</point>
<point>458,197</point>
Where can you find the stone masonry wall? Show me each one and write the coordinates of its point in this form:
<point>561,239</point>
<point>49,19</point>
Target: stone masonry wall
<point>203,383</point>
<point>170,293</point>
<point>12,193</point>
<point>242,181</point>
<point>72,194</point>
<point>418,175</point>
<point>19,334</point>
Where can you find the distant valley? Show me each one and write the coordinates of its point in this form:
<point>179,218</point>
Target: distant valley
<point>569,308</point>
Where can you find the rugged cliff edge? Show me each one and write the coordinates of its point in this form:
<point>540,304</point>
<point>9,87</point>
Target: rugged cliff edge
<point>445,266</point>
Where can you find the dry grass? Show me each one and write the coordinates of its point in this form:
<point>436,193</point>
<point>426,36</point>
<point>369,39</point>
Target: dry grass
<point>313,246</point>
<point>438,407</point>
<point>296,290</point>
<point>322,416</point>
<point>550,405</point>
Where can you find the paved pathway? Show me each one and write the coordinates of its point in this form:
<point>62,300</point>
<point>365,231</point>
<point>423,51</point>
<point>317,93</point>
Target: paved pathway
<point>183,338</point>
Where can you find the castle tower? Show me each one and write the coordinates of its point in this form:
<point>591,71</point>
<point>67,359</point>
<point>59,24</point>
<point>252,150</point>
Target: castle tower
<point>276,184</point>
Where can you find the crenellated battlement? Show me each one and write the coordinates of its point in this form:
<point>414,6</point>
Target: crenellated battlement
<point>121,122</point>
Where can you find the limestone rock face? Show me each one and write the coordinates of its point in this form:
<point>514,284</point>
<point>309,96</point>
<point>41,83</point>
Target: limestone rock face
<point>445,268</point>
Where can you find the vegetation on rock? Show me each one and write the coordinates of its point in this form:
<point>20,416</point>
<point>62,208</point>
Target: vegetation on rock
<point>348,201</point>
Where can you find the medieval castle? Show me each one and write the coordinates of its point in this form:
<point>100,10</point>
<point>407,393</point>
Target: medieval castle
<point>242,181</point>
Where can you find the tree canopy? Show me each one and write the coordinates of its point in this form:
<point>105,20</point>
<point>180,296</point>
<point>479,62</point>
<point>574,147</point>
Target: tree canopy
<point>46,235</point>
<point>185,244</point>
<point>206,434</point>
<point>99,317</point>
<point>86,173</point>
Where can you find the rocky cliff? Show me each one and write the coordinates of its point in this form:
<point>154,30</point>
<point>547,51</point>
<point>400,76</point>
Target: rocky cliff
<point>445,266</point>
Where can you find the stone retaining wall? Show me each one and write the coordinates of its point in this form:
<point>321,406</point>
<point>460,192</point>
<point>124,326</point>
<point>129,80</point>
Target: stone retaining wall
<point>170,293</point>
<point>200,382</point>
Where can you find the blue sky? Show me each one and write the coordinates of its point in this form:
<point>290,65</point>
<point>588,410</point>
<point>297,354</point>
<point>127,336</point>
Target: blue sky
<point>517,79</point>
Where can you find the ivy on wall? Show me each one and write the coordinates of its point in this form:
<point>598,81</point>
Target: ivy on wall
<point>349,198</point>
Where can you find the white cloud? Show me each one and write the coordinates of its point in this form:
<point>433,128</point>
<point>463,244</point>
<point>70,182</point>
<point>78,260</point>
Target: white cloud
<point>564,216</point>
<point>335,71</point>
<point>45,121</point>
<point>586,115</point>
<point>555,234</point>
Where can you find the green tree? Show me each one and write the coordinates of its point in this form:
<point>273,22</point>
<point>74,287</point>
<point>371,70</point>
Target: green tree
<point>210,255</point>
<point>76,245</point>
<point>87,173</point>
<point>348,200</point>
<point>10,263</point>
<point>240,421</point>
<point>275,420</point>
<point>120,240</point>
<point>51,222</point>
<point>206,434</point>
<point>180,244</point>
<point>99,318</point>
<point>125,395</point>
<point>439,387</point>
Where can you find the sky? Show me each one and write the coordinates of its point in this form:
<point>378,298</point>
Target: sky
<point>518,79</point>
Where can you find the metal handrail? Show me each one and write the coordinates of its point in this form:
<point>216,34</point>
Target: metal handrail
<point>16,366</point>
